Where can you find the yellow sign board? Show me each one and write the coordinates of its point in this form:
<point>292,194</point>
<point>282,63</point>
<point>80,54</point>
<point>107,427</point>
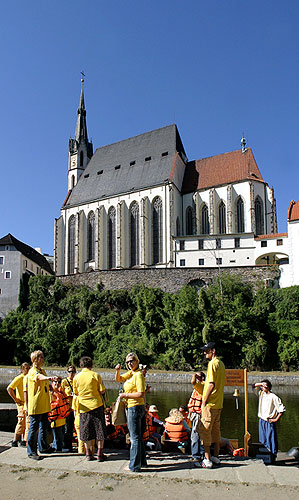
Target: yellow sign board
<point>234,377</point>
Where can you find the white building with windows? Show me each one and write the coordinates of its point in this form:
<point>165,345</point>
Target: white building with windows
<point>17,259</point>
<point>140,203</point>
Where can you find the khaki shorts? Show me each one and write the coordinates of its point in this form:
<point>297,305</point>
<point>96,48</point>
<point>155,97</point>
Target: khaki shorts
<point>209,428</point>
<point>20,427</point>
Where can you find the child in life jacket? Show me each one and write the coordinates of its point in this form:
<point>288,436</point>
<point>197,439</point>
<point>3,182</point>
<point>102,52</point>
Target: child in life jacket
<point>60,409</point>
<point>194,406</point>
<point>185,412</point>
<point>176,429</point>
<point>116,434</point>
<point>151,438</point>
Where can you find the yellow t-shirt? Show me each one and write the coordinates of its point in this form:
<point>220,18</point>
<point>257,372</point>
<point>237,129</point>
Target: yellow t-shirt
<point>216,374</point>
<point>199,386</point>
<point>17,386</point>
<point>25,389</point>
<point>88,386</point>
<point>38,392</point>
<point>67,387</point>
<point>134,382</point>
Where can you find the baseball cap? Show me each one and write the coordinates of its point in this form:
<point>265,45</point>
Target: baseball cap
<point>209,345</point>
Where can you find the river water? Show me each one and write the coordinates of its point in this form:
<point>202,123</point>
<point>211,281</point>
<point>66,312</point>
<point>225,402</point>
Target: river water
<point>232,419</point>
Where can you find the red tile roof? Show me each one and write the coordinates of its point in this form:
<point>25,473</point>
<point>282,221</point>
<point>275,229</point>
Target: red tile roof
<point>270,236</point>
<point>227,168</point>
<point>293,211</point>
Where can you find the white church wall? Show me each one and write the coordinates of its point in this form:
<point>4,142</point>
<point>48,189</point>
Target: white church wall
<point>293,232</point>
<point>127,199</point>
<point>229,254</point>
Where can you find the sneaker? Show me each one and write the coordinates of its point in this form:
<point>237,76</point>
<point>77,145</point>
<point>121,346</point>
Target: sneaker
<point>215,460</point>
<point>206,464</point>
<point>14,444</point>
<point>23,444</point>
<point>34,456</point>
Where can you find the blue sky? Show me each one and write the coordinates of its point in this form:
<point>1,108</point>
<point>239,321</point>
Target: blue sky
<point>216,68</point>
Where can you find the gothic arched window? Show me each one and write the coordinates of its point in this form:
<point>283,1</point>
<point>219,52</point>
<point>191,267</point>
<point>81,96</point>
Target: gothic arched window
<point>221,218</point>
<point>111,238</point>
<point>81,158</point>
<point>240,216</point>
<point>90,236</point>
<point>157,231</point>
<point>205,225</point>
<point>259,216</point>
<point>71,245</point>
<point>189,220</point>
<point>134,234</point>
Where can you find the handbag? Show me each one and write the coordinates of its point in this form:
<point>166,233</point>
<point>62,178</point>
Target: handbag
<point>119,416</point>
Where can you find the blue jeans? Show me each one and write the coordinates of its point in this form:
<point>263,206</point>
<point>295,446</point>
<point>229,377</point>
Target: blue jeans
<point>196,448</point>
<point>268,436</point>
<point>58,436</point>
<point>38,423</point>
<point>68,432</point>
<point>136,425</point>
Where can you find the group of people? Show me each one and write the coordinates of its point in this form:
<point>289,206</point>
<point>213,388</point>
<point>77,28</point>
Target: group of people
<point>76,405</point>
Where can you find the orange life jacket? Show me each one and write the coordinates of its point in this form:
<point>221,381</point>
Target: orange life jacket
<point>120,430</point>
<point>195,401</point>
<point>149,427</point>
<point>111,432</point>
<point>239,452</point>
<point>60,407</point>
<point>154,426</point>
<point>176,431</point>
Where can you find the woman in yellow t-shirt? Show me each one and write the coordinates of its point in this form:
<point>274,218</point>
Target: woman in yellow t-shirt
<point>88,387</point>
<point>134,387</point>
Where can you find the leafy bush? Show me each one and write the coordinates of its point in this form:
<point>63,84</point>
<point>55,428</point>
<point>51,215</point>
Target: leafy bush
<point>254,330</point>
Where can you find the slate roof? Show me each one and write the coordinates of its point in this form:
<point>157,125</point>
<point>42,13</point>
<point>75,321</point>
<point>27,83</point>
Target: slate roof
<point>27,251</point>
<point>293,211</point>
<point>129,165</point>
<point>221,169</point>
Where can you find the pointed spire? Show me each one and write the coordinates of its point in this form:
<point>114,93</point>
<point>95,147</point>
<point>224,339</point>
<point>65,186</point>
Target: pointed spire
<point>243,144</point>
<point>81,127</point>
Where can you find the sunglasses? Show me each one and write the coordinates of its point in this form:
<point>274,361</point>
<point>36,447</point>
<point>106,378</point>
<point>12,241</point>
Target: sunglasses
<point>131,361</point>
<point>71,371</point>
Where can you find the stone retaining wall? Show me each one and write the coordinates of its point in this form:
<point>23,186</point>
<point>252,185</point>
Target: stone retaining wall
<point>168,280</point>
<point>167,378</point>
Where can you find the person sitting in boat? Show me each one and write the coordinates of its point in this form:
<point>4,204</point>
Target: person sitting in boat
<point>177,429</point>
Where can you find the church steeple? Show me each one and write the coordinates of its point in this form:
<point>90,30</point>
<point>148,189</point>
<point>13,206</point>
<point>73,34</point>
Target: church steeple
<point>80,149</point>
<point>81,127</point>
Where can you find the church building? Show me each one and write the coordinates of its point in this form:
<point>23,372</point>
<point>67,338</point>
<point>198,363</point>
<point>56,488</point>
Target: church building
<point>141,203</point>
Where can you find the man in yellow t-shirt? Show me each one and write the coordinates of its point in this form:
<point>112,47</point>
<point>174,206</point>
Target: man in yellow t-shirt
<point>212,403</point>
<point>38,406</point>
<point>16,392</point>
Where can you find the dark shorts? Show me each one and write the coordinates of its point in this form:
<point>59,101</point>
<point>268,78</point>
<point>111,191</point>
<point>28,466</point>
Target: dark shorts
<point>92,425</point>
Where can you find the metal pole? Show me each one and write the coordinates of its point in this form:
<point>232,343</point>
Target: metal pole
<point>247,436</point>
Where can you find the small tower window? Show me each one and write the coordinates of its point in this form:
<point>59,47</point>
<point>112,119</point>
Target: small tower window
<point>73,181</point>
<point>81,159</point>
